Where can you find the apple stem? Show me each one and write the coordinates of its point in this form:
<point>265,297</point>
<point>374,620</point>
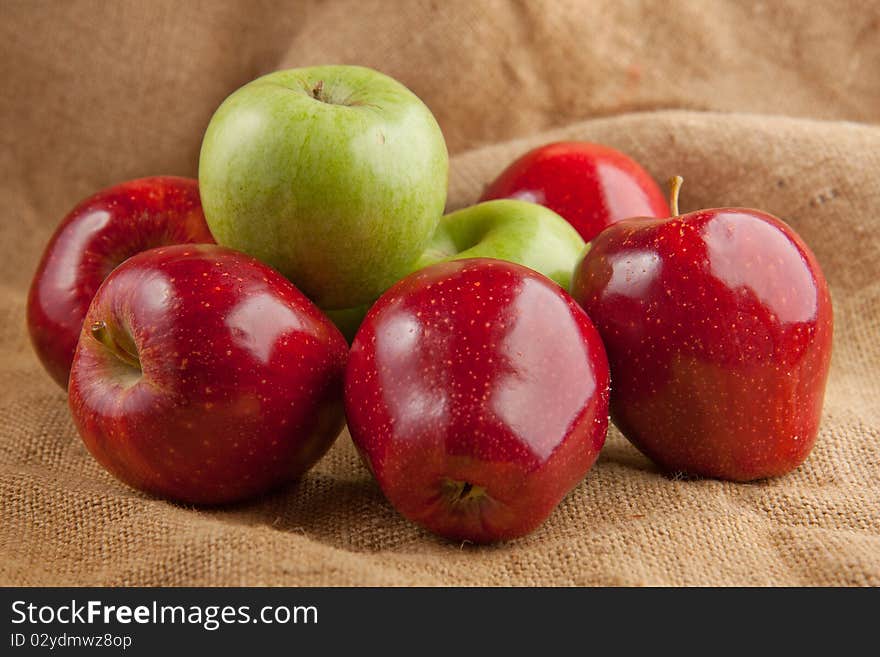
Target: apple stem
<point>674,188</point>
<point>318,91</point>
<point>102,334</point>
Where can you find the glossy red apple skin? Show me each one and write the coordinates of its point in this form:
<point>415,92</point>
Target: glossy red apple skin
<point>240,383</point>
<point>477,372</point>
<point>589,185</point>
<point>718,326</point>
<point>96,236</point>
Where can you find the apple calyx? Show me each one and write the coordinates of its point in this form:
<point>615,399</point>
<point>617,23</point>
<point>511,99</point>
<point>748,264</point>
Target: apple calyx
<point>674,189</point>
<point>461,493</point>
<point>318,91</point>
<point>101,333</point>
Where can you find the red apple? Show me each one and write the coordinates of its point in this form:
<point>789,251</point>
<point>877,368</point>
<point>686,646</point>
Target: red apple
<point>97,235</point>
<point>204,376</point>
<point>718,328</point>
<point>477,394</point>
<point>590,185</point>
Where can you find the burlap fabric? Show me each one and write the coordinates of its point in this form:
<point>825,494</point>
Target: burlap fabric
<point>767,104</point>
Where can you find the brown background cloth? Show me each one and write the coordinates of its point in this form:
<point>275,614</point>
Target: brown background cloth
<point>769,104</point>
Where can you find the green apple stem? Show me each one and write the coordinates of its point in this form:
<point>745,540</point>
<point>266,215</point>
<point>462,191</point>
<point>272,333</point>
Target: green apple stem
<point>674,188</point>
<point>102,334</point>
<point>318,91</point>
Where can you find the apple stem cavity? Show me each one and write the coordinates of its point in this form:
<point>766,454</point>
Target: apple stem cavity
<point>674,189</point>
<point>101,333</point>
<point>318,91</point>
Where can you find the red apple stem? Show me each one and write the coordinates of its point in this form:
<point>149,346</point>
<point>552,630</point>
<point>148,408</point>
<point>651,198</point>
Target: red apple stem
<point>674,188</point>
<point>102,334</point>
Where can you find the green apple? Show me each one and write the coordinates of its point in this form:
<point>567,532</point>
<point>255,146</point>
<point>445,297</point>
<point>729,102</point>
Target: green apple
<point>521,232</point>
<point>334,175</point>
<point>348,320</point>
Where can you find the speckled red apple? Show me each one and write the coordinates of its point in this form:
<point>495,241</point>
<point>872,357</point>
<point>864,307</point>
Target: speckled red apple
<point>97,235</point>
<point>590,185</point>
<point>204,376</point>
<point>718,327</point>
<point>477,393</point>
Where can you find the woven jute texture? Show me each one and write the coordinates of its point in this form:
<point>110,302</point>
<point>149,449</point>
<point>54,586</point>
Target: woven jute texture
<point>768,104</point>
